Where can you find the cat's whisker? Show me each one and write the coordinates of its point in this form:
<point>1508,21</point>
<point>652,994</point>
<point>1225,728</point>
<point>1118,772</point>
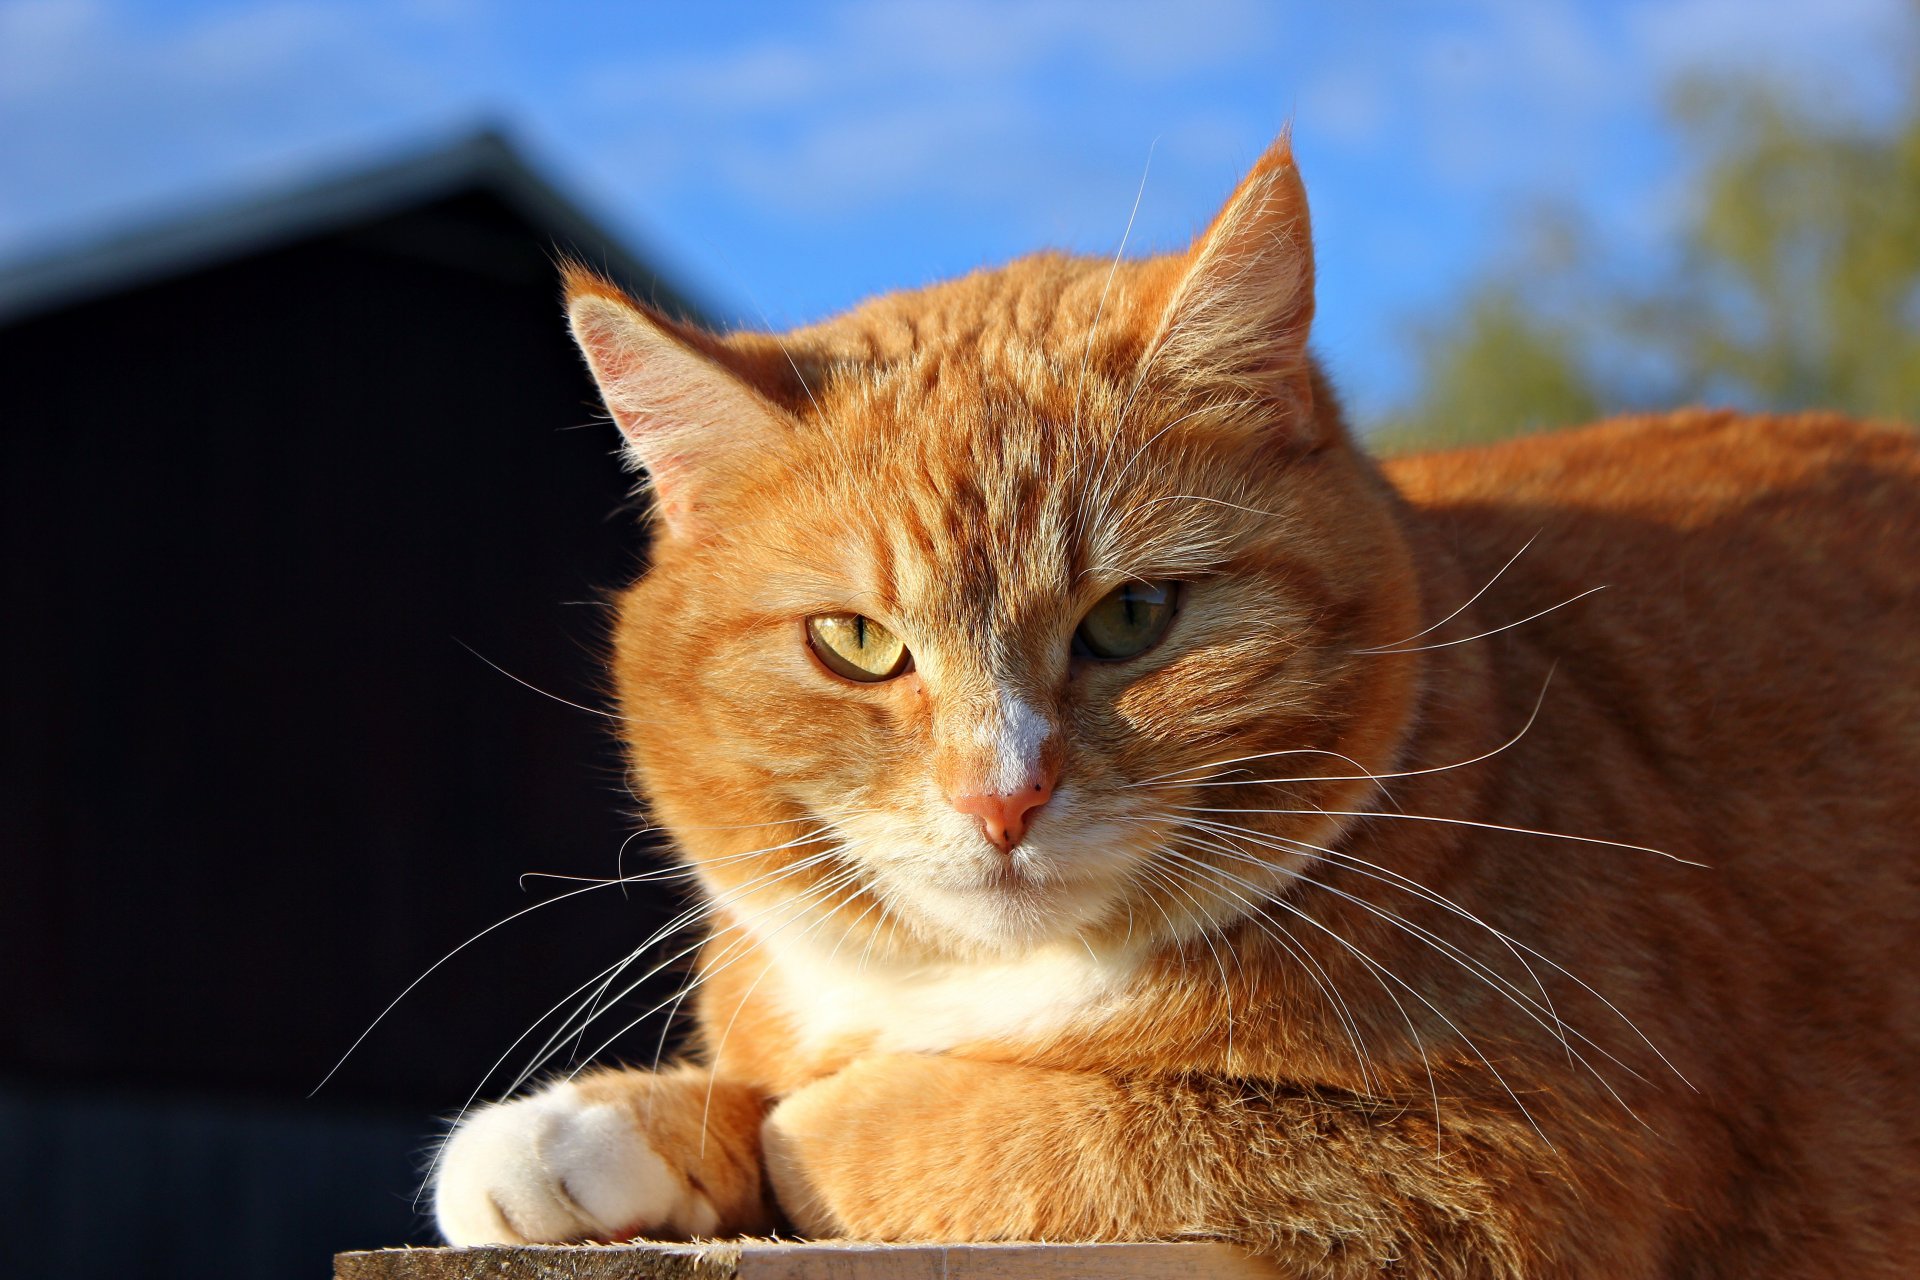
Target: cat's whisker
<point>707,909</point>
<point>466,1107</point>
<point>672,1004</point>
<point>1216,502</point>
<point>620,854</point>
<point>1365,774</point>
<point>697,914</point>
<point>691,870</point>
<point>876,905</point>
<point>1362,867</point>
<point>1080,936</point>
<point>1368,960</point>
<point>1258,755</point>
<point>744,927</point>
<point>852,886</point>
<point>1317,974</point>
<point>1370,1075</point>
<point>1496,981</point>
<point>1232,832</point>
<point>749,826</point>
<point>609,974</point>
<point>797,905</point>
<point>1173,934</point>
<point>1174,778</point>
<point>430,970</point>
<point>749,935</point>
<point>1202,916</point>
<point>1447,644</point>
<point>752,930</point>
<point>605,978</point>
<point>838,850</point>
<point>576,1033</point>
<point>546,1052</point>
<point>1373,871</point>
<point>1516,995</point>
<point>526,684</point>
<point>706,1109</point>
<point>873,936</point>
<point>640,877</point>
<point>1086,356</point>
<point>1432,627</point>
<point>688,870</point>
<point>1460,822</point>
<point>596,1005</point>
<point>673,1009</point>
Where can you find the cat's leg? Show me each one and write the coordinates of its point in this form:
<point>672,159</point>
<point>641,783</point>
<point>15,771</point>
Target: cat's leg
<point>940,1148</point>
<point>671,1154</point>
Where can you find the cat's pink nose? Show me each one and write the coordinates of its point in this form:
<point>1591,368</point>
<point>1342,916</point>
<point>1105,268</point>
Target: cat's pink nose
<point>1004,817</point>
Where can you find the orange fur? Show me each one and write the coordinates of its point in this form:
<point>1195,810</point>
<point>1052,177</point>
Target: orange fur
<point>1688,1051</point>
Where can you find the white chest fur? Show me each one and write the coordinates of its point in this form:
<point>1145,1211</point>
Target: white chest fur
<point>934,1007</point>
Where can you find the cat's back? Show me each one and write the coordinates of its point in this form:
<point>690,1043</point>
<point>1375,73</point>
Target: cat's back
<point>1842,487</point>
<point>1755,581</point>
<point>1722,541</point>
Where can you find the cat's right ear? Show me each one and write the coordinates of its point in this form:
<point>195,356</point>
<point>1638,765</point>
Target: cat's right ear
<point>686,419</point>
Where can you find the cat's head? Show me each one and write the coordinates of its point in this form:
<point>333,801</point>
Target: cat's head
<point>962,606</point>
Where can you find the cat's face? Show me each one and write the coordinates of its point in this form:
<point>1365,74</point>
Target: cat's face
<point>973,606</point>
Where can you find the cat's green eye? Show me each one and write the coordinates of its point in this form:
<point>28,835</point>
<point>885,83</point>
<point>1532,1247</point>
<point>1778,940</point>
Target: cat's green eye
<point>1129,620</point>
<point>856,647</point>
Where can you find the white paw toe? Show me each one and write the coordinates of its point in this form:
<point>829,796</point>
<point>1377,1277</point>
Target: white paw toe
<point>554,1167</point>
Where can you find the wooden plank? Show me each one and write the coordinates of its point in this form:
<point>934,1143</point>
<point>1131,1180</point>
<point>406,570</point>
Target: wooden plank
<point>544,1262</point>
<point>812,1260</point>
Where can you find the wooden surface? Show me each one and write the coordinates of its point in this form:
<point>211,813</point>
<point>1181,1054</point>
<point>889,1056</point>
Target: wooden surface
<point>831,1260</point>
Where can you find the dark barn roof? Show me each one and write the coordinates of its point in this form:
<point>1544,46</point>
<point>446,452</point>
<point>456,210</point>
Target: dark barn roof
<point>262,474</point>
<point>482,161</point>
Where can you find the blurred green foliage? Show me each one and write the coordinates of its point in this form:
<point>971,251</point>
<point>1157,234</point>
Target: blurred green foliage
<point>1795,284</point>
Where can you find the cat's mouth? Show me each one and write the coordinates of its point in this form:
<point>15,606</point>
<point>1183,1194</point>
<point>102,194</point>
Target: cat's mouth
<point>1016,873</point>
<point>936,870</point>
<point>1024,875</point>
<point>1034,895</point>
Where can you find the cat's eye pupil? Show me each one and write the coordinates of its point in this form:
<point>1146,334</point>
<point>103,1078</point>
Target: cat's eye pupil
<point>856,647</point>
<point>1127,621</point>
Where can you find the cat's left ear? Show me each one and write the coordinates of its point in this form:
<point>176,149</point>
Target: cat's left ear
<point>1236,324</point>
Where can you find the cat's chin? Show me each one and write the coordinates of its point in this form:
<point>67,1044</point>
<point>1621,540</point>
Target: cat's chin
<point>1013,909</point>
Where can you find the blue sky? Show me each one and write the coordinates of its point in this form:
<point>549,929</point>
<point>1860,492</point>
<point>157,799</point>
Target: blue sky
<point>787,160</point>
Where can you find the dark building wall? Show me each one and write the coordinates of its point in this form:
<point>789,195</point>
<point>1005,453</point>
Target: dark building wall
<point>251,785</point>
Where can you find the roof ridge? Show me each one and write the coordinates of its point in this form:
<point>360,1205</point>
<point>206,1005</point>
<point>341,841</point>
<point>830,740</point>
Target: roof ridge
<point>211,232</point>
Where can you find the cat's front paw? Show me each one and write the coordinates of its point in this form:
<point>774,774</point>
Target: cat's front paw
<point>560,1165</point>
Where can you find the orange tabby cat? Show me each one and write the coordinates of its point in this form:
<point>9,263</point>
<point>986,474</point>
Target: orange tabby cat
<point>1127,811</point>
